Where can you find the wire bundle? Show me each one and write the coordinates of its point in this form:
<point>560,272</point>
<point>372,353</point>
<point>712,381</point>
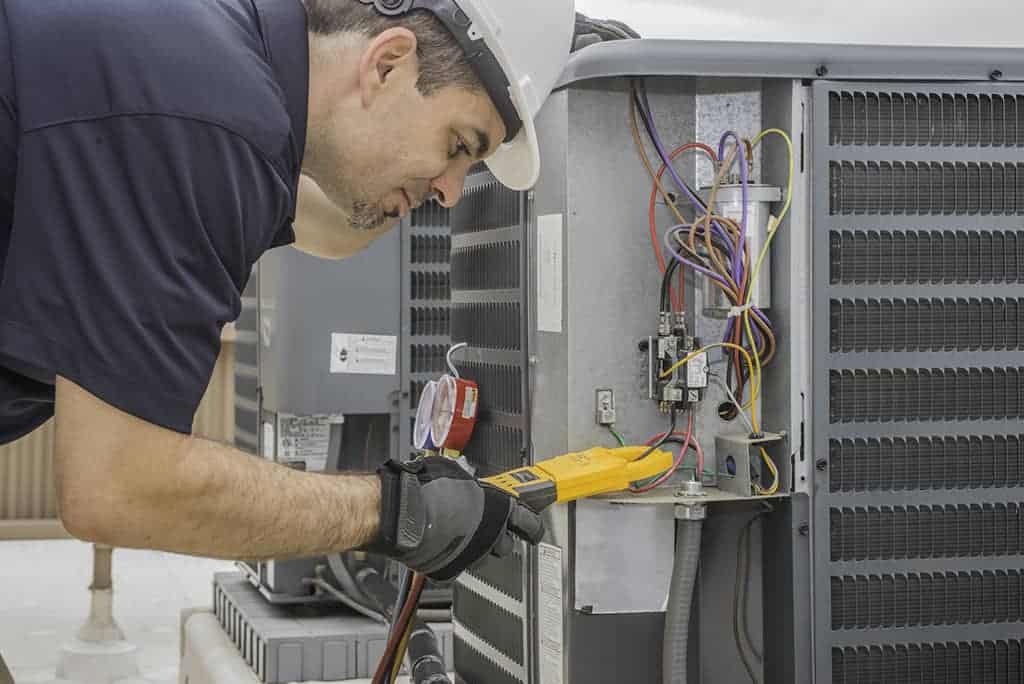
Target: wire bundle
<point>717,248</point>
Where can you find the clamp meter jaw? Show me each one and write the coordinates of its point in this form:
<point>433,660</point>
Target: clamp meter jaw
<point>582,474</point>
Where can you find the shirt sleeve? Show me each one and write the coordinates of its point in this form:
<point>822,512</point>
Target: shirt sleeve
<point>133,238</point>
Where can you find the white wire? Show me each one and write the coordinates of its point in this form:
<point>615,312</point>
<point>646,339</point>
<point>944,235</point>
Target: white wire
<point>451,365</point>
<point>732,398</point>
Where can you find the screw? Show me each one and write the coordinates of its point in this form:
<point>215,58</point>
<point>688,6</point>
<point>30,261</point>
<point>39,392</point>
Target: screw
<point>821,465</point>
<point>644,346</point>
<point>804,529</point>
<point>821,71</point>
<point>996,75</point>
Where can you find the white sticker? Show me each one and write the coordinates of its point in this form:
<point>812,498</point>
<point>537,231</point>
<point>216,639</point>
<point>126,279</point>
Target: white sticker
<point>549,273</point>
<point>364,354</point>
<point>469,405</point>
<point>697,372</point>
<point>551,628</point>
<point>305,439</point>
<point>268,441</point>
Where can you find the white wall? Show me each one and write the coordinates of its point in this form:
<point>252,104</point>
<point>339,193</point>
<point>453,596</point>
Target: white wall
<point>909,22</point>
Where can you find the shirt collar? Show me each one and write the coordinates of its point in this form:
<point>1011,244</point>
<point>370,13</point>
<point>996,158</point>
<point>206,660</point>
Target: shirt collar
<point>285,35</point>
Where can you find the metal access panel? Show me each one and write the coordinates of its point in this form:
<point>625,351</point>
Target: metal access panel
<point>918,302</point>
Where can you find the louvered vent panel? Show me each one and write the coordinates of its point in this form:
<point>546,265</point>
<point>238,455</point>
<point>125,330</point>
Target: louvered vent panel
<point>919,200</point>
<point>494,266</point>
<point>929,395</point>
<point>917,119</point>
<point>427,317</point>
<point>495,624</point>
<point>908,532</point>
<point>919,463</point>
<point>494,325</point>
<point>926,189</point>
<point>430,249</point>
<point>974,662</point>
<point>430,285</point>
<point>860,325</point>
<point>489,314</point>
<point>503,574</point>
<point>430,321</point>
<point>487,206</point>
<point>927,599</point>
<point>926,257</point>
<point>475,668</point>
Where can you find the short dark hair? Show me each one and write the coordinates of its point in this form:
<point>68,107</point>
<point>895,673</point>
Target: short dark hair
<point>442,62</point>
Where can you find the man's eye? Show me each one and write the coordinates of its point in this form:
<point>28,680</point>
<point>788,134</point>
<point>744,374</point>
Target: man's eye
<point>460,148</point>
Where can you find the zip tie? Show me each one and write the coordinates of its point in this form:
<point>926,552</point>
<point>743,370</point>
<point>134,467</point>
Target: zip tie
<point>738,311</point>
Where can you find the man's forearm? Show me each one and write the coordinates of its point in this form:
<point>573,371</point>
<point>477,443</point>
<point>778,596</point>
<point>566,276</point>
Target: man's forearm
<point>126,483</point>
<point>228,504</point>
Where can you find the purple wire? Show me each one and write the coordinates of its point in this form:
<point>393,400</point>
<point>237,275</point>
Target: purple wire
<point>695,266</point>
<point>652,133</point>
<point>737,263</point>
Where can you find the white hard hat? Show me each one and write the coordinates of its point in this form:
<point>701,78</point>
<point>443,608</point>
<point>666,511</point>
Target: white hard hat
<point>518,49</point>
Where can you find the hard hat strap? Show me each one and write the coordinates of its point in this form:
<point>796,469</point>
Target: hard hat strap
<point>483,62</point>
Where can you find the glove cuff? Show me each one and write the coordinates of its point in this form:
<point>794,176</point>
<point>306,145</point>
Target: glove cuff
<point>390,474</point>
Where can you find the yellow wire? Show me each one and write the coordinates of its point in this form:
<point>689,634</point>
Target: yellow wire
<point>773,227</point>
<point>400,653</point>
<point>755,377</point>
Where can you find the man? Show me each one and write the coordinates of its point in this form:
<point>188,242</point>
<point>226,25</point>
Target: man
<point>150,152</point>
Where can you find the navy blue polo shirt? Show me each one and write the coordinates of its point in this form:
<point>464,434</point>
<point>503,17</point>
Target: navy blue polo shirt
<point>149,154</point>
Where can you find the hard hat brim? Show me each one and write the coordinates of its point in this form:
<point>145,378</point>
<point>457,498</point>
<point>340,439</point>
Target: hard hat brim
<point>516,164</point>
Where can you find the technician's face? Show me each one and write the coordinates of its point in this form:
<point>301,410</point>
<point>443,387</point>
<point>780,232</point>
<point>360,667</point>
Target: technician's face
<point>389,149</point>
<point>420,146</point>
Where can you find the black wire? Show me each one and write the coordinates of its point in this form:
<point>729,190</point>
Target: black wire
<point>664,438</point>
<point>666,284</point>
<point>644,105</point>
<point>736,615</point>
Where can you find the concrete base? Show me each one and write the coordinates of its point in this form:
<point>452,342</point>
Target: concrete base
<point>98,663</point>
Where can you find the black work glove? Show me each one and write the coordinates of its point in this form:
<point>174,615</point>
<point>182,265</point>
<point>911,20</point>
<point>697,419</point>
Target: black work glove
<point>439,520</point>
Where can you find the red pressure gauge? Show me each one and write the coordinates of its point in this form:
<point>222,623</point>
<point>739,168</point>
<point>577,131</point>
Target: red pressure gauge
<point>455,411</point>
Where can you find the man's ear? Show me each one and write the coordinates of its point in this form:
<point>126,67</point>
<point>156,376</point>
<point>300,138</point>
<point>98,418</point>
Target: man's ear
<point>389,58</point>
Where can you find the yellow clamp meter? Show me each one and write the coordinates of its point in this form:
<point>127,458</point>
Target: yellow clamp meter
<point>582,474</point>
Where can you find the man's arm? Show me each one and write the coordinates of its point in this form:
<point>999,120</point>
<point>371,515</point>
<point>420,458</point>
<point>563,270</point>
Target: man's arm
<point>323,229</point>
<point>127,483</point>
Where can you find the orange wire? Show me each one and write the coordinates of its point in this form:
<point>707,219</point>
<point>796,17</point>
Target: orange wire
<point>677,302</point>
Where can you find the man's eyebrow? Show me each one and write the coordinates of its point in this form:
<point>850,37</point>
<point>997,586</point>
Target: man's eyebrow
<point>483,144</point>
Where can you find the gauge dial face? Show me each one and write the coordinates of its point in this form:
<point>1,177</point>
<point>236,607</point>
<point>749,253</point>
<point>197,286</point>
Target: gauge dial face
<point>444,409</point>
<point>424,414</point>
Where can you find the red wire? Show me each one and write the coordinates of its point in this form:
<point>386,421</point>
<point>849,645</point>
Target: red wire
<point>688,438</point>
<point>677,302</point>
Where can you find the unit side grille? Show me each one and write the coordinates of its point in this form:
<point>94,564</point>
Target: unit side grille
<point>492,266</point>
<point>430,249</point>
<point>925,119</point>
<point>859,325</point>
<point>926,188</point>
<point>926,599</point>
<point>908,532</point>
<point>430,321</point>
<point>491,325</point>
<point>475,668</point>
<point>929,395</point>
<point>430,286</point>
<point>495,625</point>
<point>489,314</point>
<point>917,490</point>
<point>486,206</point>
<point>503,574</point>
<point>926,257</point>
<point>428,358</point>
<point>926,463</point>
